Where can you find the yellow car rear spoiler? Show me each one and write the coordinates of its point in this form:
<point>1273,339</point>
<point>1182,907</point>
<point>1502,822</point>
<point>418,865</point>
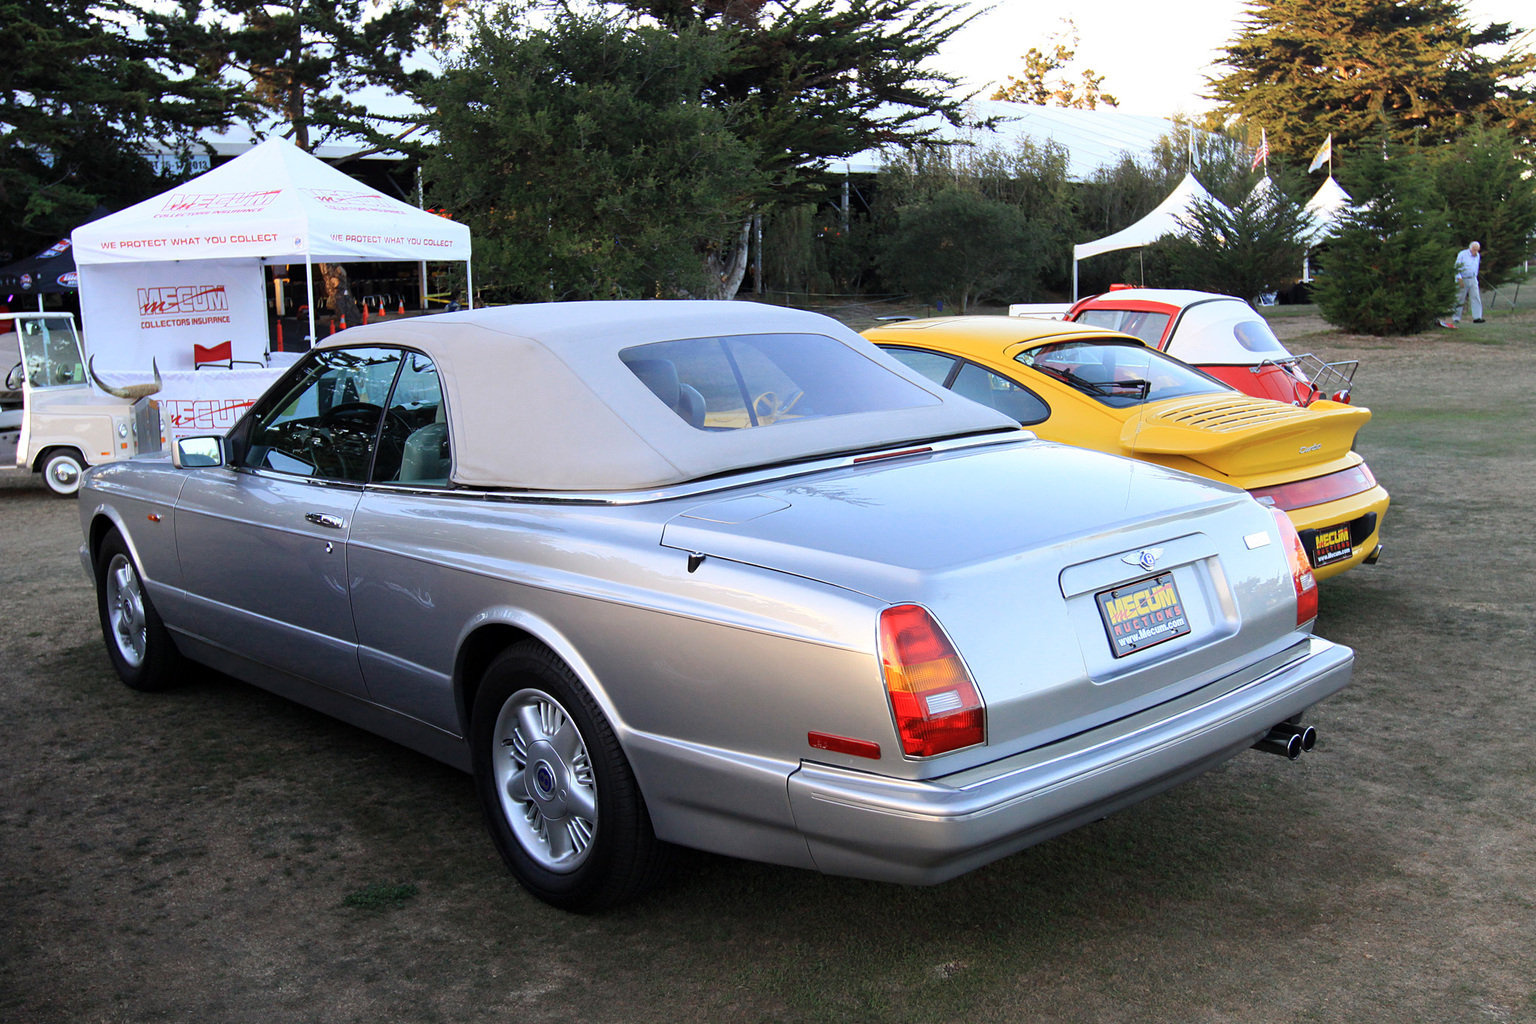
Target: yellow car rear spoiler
<point>1243,436</point>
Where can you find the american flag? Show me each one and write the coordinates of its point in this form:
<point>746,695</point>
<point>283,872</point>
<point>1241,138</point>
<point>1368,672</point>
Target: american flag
<point>1260,155</point>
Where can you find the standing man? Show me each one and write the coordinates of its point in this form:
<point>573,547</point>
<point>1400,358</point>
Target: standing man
<point>1467,263</point>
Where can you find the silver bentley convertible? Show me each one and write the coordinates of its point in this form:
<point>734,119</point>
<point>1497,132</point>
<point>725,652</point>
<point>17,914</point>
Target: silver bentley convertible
<point>714,574</point>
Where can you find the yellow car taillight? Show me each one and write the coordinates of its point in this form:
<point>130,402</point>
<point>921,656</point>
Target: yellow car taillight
<point>1301,568</point>
<point>935,703</point>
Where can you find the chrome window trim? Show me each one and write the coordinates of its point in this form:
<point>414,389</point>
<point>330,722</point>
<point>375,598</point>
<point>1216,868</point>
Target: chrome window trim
<point>697,488</point>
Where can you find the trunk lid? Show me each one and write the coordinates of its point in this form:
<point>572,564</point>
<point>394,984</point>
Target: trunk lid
<point>1010,548</point>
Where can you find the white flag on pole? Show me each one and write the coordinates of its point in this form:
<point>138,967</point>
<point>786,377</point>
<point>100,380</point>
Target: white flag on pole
<point>1324,154</point>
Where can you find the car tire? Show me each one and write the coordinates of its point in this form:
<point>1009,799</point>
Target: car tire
<point>138,643</point>
<point>62,470</point>
<point>560,800</point>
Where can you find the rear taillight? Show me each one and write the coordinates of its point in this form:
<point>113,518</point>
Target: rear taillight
<point>1318,490</point>
<point>1301,568</point>
<point>935,702</point>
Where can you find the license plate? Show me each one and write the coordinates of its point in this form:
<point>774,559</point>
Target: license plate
<point>1331,545</point>
<point>1142,614</point>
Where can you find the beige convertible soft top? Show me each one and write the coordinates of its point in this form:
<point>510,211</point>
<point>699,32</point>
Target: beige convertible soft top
<point>538,397</point>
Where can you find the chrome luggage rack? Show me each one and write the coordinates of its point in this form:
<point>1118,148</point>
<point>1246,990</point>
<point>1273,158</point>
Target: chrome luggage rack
<point>1328,378</point>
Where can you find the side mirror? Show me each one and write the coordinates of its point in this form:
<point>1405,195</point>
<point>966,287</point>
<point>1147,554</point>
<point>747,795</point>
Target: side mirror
<point>198,452</point>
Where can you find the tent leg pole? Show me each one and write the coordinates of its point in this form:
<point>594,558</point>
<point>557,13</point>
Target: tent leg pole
<point>1074,280</point>
<point>469,286</point>
<point>309,283</point>
<point>423,284</point>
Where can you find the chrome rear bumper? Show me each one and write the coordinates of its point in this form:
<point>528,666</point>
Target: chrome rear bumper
<point>924,832</point>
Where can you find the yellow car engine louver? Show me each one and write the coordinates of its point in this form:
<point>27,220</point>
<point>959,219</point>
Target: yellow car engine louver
<point>1226,414</point>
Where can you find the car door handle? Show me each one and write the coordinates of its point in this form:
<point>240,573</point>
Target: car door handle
<point>321,519</point>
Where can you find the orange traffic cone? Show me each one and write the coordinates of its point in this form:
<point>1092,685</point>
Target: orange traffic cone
<point>365,312</point>
<point>402,307</point>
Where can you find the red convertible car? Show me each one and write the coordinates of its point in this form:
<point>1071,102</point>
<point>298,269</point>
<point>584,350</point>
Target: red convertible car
<point>1221,335</point>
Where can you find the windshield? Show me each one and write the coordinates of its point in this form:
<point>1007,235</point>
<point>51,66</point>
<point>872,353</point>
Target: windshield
<point>757,380</point>
<point>1118,373</point>
<point>1147,326</point>
<point>50,351</point>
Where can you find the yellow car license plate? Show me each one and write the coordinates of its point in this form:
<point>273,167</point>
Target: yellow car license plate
<point>1331,545</point>
<point>1142,614</point>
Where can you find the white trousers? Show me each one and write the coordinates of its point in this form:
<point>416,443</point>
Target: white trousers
<point>1466,288</point>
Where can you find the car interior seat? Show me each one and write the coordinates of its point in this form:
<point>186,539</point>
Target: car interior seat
<point>660,375</point>
<point>425,457</point>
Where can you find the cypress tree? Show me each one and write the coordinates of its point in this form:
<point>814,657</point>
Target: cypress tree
<point>1388,268</point>
<point>1305,68</point>
<point>82,98</point>
<point>1254,246</point>
<point>1490,192</point>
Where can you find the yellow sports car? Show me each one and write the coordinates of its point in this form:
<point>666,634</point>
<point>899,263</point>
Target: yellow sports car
<point>1101,389</point>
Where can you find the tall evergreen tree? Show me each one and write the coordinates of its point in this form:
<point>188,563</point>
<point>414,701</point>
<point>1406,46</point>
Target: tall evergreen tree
<point>1490,192</point>
<point>1306,68</point>
<point>817,80</point>
<point>1253,246</point>
<point>584,159</point>
<point>305,63</point>
<point>82,100</point>
<point>1387,268</point>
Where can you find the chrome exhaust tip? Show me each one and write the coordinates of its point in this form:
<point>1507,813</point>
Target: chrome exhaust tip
<point>1374,556</point>
<point>1305,733</point>
<point>1287,745</point>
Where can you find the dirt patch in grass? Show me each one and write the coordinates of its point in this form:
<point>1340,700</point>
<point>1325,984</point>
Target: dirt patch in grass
<point>190,856</point>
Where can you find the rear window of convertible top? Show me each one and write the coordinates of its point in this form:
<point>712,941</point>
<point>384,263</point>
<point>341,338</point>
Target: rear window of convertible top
<point>757,380</point>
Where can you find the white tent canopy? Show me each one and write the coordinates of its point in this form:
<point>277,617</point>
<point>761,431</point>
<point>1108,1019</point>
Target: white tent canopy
<point>1168,218</point>
<point>192,255</point>
<point>1325,208</point>
<point>278,204</point>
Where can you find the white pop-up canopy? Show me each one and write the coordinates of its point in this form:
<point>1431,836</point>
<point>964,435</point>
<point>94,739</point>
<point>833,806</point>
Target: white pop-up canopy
<point>1168,218</point>
<point>1325,207</point>
<point>1323,211</point>
<point>184,267</point>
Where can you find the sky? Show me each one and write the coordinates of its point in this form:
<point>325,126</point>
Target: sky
<point>1152,62</point>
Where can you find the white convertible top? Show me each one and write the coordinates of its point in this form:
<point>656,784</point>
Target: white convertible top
<point>538,398</point>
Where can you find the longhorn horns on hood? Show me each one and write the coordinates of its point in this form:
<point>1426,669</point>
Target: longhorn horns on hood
<point>132,392</point>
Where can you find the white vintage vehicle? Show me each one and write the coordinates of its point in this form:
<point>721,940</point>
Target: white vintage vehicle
<point>65,421</point>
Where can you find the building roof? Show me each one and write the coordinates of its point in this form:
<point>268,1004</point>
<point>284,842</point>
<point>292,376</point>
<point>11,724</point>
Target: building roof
<point>1093,138</point>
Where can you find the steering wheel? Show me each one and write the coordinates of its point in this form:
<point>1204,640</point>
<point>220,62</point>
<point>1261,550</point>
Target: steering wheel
<point>14,378</point>
<point>354,415</point>
<point>769,408</point>
<point>363,411</point>
<point>348,411</point>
